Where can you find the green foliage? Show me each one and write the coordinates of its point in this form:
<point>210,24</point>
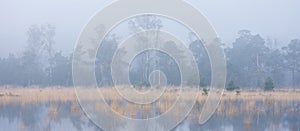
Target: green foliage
<point>292,59</point>
<point>205,91</point>
<point>245,59</point>
<point>231,86</point>
<point>143,84</point>
<point>249,60</point>
<point>238,92</point>
<point>269,85</point>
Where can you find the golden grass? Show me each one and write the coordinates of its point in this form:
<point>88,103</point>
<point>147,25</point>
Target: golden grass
<point>247,100</point>
<point>68,94</point>
<point>36,95</point>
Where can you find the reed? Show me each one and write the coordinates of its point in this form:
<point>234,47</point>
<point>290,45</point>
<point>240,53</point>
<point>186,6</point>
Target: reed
<point>255,102</point>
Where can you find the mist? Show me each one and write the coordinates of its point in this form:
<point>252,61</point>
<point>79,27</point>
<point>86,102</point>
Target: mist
<point>277,20</point>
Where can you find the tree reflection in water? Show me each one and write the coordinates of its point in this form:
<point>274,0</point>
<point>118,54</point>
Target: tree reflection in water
<point>231,115</point>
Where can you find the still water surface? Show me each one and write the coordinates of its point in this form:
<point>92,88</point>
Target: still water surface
<point>63,116</point>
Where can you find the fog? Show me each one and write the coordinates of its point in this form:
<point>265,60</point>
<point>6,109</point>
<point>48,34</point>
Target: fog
<point>150,71</point>
<point>277,20</point>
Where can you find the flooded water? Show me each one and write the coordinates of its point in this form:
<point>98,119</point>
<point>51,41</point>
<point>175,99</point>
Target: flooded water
<point>231,116</point>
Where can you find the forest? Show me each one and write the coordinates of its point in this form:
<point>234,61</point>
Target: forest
<point>251,60</point>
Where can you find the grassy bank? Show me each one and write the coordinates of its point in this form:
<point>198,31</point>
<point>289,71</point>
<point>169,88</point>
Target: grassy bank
<point>40,95</point>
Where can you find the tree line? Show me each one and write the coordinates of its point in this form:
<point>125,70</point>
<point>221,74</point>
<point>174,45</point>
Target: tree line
<point>250,61</point>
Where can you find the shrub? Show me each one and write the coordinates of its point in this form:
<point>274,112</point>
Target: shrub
<point>269,85</point>
<point>205,91</point>
<point>142,84</point>
<point>231,86</point>
<point>238,92</point>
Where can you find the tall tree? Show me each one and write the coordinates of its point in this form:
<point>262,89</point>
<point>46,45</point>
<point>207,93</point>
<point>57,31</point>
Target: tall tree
<point>292,58</point>
<point>150,60</point>
<point>11,70</point>
<point>33,73</point>
<point>246,59</point>
<point>203,62</point>
<point>61,70</point>
<point>275,67</point>
<point>40,40</point>
<point>104,59</point>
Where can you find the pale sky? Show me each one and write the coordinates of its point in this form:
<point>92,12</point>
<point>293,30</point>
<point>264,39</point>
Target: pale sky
<point>274,19</point>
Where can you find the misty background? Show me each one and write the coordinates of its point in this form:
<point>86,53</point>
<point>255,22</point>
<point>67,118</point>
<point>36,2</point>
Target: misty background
<point>277,20</point>
<point>261,40</point>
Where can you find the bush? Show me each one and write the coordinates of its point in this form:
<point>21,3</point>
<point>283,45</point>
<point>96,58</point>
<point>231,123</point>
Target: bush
<point>205,91</point>
<point>142,84</point>
<point>231,86</point>
<point>269,85</point>
<point>238,92</point>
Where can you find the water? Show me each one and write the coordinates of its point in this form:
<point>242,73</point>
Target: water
<point>68,115</point>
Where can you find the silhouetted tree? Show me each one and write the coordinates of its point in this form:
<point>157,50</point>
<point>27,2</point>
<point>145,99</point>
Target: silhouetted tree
<point>292,58</point>
<point>269,85</point>
<point>246,59</point>
<point>231,86</point>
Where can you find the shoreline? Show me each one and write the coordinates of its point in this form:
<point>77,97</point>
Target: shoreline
<point>34,94</point>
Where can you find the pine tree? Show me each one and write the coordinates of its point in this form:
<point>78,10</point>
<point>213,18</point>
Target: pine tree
<point>269,85</point>
<point>231,86</point>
